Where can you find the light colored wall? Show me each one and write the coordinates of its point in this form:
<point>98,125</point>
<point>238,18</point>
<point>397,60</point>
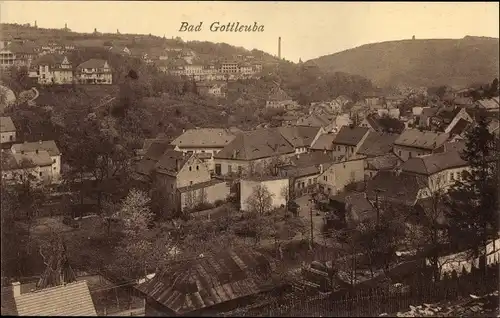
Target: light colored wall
<point>219,191</point>
<point>199,149</point>
<point>341,174</point>
<point>14,175</point>
<point>404,152</point>
<point>258,165</point>
<point>275,187</point>
<point>56,167</point>
<point>5,136</point>
<point>193,172</point>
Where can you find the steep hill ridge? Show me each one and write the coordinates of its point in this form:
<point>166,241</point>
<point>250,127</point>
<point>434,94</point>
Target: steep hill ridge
<point>455,62</point>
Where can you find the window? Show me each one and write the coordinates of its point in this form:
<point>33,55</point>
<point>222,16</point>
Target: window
<point>53,160</point>
<point>409,154</point>
<point>10,137</point>
<point>197,167</point>
<point>240,169</point>
<point>309,181</point>
<point>452,176</point>
<point>40,173</point>
<point>218,169</point>
<point>325,178</point>
<point>190,168</point>
<point>315,180</point>
<point>54,168</point>
<point>399,152</point>
<point>190,182</point>
<point>229,168</point>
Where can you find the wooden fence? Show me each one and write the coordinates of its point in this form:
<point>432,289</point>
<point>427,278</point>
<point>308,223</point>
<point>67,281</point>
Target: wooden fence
<point>375,301</point>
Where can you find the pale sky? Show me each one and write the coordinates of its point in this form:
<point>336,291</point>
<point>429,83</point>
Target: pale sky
<point>308,29</point>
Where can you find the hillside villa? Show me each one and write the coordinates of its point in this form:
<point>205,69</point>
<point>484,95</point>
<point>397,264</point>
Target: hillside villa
<point>94,71</point>
<point>54,69</point>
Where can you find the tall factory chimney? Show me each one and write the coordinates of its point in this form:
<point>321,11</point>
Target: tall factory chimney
<point>279,47</point>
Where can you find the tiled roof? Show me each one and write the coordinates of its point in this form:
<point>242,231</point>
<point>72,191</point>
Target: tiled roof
<point>208,280</point>
<point>421,139</point>
<point>457,146</point>
<point>93,63</point>
<point>313,120</point>
<point>299,136</point>
<point>157,149</point>
<point>256,144</point>
<point>307,164</point>
<point>324,142</point>
<point>395,187</point>
<point>53,60</point>
<point>431,164</point>
<point>358,207</point>
<point>205,138</point>
<point>278,94</point>
<point>489,104</point>
<point>350,135</point>
<point>47,145</point>
<point>6,124</point>
<point>169,162</point>
<point>21,48</point>
<point>385,162</point>
<point>67,300</point>
<point>11,161</point>
<point>378,144</point>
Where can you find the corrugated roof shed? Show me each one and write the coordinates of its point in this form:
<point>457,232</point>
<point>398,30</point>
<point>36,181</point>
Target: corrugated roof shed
<point>67,300</point>
<point>209,280</point>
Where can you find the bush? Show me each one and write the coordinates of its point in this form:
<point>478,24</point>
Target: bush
<point>218,203</point>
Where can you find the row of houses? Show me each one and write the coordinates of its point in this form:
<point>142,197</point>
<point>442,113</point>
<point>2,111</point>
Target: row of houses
<point>34,161</point>
<point>57,69</point>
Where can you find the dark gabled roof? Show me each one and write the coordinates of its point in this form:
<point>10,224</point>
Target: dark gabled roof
<point>6,124</point>
<point>457,146</point>
<point>209,280</point>
<point>434,163</point>
<point>170,161</point>
<point>307,164</point>
<point>359,207</point>
<point>93,63</point>
<point>378,144</point>
<point>256,144</point>
<point>350,136</point>
<point>395,187</point>
<point>459,127</point>
<point>385,162</point>
<point>421,139</point>
<point>22,48</point>
<point>313,120</point>
<point>324,142</point>
<point>374,121</point>
<point>52,60</point>
<point>157,149</point>
<point>299,136</point>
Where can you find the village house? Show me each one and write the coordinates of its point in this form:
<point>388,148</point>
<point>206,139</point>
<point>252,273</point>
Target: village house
<point>301,137</point>
<point>54,69</point>
<point>318,120</point>
<point>40,159</point>
<point>461,116</point>
<point>389,112</point>
<point>278,98</point>
<point>304,170</point>
<point>324,144</point>
<point>372,121</point>
<point>212,89</point>
<point>145,167</point>
<point>186,182</point>
<point>187,288</point>
<point>414,143</point>
<point>348,140</point>
<point>17,54</point>
<point>378,149</point>
<point>393,101</point>
<point>340,174</point>
<point>353,208</point>
<point>124,51</point>
<point>277,186</point>
<point>439,170</point>
<point>490,105</point>
<point>252,151</point>
<point>94,71</point>
<point>7,130</point>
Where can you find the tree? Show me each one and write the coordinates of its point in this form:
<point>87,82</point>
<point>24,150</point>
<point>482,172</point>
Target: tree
<point>473,201</point>
<point>261,200</point>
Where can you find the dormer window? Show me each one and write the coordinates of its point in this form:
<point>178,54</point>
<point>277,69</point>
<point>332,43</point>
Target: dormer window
<point>190,169</point>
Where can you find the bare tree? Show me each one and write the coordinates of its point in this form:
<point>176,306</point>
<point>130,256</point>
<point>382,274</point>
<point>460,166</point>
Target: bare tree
<point>261,200</point>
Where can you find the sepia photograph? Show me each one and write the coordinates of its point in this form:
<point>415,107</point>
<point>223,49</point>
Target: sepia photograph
<point>249,159</point>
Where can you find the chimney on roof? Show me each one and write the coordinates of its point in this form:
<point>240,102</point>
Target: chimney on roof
<point>184,130</point>
<point>234,154</point>
<point>40,142</point>
<point>16,289</point>
<point>321,168</point>
<point>178,164</point>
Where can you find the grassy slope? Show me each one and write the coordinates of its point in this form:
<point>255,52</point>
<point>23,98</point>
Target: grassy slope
<point>456,62</point>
